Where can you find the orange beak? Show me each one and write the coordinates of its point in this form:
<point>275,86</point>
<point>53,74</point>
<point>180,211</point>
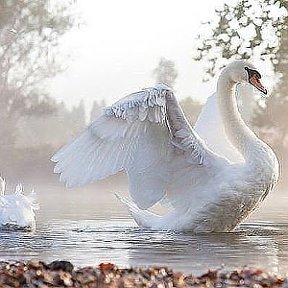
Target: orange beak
<point>255,81</point>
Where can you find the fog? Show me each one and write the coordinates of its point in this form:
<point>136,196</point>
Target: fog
<point>61,64</point>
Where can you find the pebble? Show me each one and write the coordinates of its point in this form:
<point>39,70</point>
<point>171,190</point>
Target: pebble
<point>63,274</point>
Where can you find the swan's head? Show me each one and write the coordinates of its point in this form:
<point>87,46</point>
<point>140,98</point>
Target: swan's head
<point>242,71</point>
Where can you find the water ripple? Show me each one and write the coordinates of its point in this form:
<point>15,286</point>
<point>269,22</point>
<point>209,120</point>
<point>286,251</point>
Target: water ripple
<point>115,238</point>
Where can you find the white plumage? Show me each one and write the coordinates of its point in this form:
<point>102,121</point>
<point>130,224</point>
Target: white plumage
<point>212,176</point>
<point>17,211</point>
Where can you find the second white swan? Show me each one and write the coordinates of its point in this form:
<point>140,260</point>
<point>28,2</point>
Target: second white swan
<point>146,134</point>
<point>17,211</point>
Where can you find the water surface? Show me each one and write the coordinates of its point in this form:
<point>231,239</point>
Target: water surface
<point>89,226</point>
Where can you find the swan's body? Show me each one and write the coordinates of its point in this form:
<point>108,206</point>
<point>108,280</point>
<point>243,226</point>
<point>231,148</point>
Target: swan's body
<point>16,210</point>
<point>147,135</point>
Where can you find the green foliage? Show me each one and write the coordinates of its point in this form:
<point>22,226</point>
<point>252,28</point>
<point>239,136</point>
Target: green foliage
<point>254,30</point>
<point>250,29</point>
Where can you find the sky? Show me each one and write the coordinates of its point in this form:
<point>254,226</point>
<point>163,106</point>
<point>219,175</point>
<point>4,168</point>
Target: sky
<point>120,43</point>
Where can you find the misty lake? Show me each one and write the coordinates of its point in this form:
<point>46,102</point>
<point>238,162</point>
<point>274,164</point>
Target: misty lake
<point>88,226</point>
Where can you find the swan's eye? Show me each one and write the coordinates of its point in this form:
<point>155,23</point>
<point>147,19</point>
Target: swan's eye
<point>251,72</point>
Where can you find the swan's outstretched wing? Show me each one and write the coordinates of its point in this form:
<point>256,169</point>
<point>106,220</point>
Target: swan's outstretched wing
<point>136,134</point>
<point>210,128</point>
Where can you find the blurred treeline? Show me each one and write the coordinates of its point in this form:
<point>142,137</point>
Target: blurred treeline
<point>30,54</point>
<point>33,125</point>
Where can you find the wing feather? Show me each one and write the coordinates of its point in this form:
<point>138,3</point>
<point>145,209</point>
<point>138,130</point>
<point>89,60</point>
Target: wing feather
<point>108,145</point>
<point>134,134</point>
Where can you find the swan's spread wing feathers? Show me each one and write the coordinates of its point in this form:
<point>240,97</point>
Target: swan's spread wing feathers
<point>90,157</point>
<point>108,145</point>
<point>210,128</point>
<point>148,104</point>
<point>147,174</point>
<point>133,135</point>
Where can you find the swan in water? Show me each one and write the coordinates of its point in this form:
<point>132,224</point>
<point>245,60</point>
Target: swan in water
<point>210,187</point>
<point>17,210</point>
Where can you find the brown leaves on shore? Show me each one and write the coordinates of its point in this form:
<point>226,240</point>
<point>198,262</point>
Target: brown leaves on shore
<point>62,274</point>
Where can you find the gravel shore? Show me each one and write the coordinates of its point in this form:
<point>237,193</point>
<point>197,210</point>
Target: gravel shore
<point>64,274</point>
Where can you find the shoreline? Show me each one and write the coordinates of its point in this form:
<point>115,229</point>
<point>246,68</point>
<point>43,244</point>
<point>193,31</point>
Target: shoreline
<point>63,274</point>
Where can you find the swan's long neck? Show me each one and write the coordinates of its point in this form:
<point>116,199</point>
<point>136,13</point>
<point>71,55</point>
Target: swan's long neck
<point>242,138</point>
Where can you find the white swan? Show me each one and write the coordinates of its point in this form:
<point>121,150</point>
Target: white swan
<point>16,210</point>
<point>146,134</point>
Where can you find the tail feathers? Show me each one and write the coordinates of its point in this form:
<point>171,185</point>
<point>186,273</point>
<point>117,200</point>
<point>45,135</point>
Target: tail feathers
<point>143,218</point>
<point>19,189</point>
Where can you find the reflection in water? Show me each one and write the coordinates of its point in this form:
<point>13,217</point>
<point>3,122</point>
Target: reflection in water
<point>198,253</point>
<point>77,230</point>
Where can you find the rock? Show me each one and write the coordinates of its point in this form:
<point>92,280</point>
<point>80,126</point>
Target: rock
<point>63,265</point>
<point>62,274</point>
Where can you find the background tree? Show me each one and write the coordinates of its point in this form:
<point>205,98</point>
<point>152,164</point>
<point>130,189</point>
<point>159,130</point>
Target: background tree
<point>165,72</point>
<point>191,109</point>
<point>250,29</point>
<point>254,30</point>
<point>97,109</point>
<point>78,121</point>
<point>30,34</point>
<point>30,31</point>
<point>272,118</point>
